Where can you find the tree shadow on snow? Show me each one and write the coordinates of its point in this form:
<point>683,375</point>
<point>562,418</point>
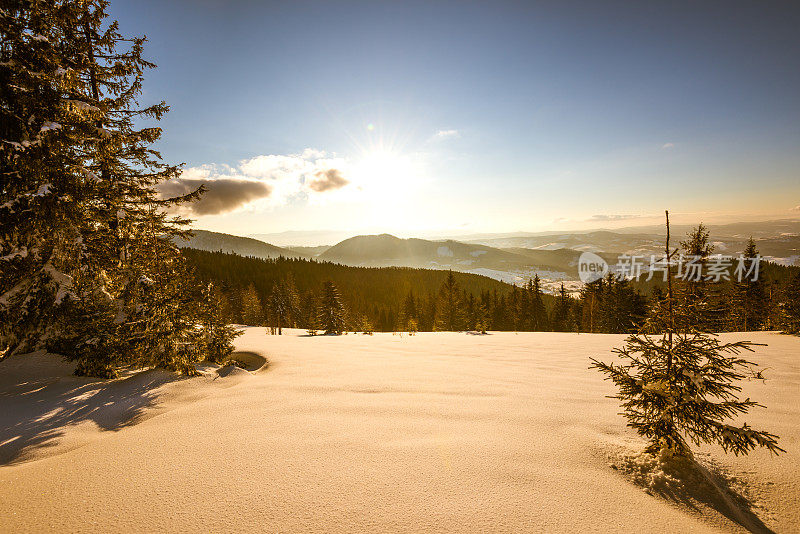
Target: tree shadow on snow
<point>40,401</point>
<point>693,485</point>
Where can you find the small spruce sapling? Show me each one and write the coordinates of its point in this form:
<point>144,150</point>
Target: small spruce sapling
<point>684,383</point>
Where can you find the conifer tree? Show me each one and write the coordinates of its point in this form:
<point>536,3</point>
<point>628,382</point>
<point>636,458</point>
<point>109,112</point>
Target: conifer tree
<point>482,322</point>
<point>218,334</point>
<point>592,295</point>
<point>748,298</point>
<point>449,312</point>
<point>682,383</point>
<point>331,317</point>
<point>538,312</point>
<point>791,305</point>
<point>561,311</point>
<point>366,325</point>
<point>309,311</point>
<point>282,304</point>
<point>409,311</point>
<point>89,264</point>
<point>622,308</point>
<point>694,291</point>
<point>252,312</point>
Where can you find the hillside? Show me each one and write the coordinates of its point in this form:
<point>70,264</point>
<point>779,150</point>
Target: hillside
<point>243,246</point>
<point>387,250</point>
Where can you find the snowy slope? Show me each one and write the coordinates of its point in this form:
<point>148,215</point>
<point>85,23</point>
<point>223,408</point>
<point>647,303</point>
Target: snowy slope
<point>439,432</point>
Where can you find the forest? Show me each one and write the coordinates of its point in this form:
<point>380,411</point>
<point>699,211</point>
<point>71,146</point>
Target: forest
<point>288,293</point>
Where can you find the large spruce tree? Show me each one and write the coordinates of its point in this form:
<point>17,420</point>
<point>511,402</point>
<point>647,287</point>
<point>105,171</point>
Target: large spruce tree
<point>88,264</point>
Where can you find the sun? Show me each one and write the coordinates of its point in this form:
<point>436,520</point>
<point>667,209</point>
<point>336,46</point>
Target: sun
<point>383,172</point>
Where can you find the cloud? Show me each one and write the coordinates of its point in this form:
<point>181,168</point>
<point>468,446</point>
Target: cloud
<point>275,179</point>
<point>667,146</point>
<point>222,195</point>
<point>274,166</point>
<point>446,134</point>
<point>328,180</point>
<point>614,217</point>
<point>796,208</point>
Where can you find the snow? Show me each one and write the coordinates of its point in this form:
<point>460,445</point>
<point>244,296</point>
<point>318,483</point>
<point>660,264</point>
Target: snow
<point>551,246</point>
<point>63,282</point>
<point>502,276</point>
<point>476,253</point>
<point>22,145</point>
<point>19,253</point>
<point>550,280</point>
<point>47,126</point>
<point>89,175</point>
<point>6,297</point>
<point>444,252</point>
<point>81,106</point>
<point>437,432</point>
<point>787,261</point>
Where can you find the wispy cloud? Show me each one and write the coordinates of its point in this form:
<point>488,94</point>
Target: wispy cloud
<point>446,134</point>
<point>667,146</point>
<point>612,217</point>
<point>274,178</point>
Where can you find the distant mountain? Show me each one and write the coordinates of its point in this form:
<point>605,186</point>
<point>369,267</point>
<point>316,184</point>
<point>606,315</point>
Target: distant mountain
<point>776,242</point>
<point>598,241</point>
<point>243,246</point>
<point>310,251</point>
<point>303,238</point>
<point>565,259</point>
<point>509,266</point>
<point>388,250</point>
<point>732,231</point>
<point>513,257</point>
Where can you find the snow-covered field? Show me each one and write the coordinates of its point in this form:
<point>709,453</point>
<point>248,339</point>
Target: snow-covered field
<point>550,280</point>
<point>438,432</point>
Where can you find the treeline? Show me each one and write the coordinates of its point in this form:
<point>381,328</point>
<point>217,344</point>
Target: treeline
<point>768,301</point>
<point>293,292</point>
<point>287,292</point>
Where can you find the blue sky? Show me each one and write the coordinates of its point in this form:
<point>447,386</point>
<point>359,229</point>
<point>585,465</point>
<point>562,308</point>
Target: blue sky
<point>477,117</point>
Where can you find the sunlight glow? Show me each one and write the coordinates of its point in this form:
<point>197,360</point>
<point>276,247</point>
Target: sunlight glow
<point>382,173</point>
